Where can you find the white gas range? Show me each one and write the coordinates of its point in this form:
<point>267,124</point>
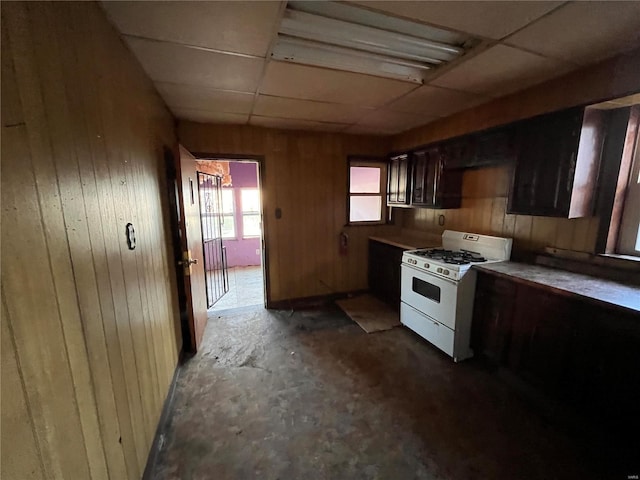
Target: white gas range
<point>438,288</point>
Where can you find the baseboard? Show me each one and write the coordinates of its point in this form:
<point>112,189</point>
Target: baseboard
<point>163,423</point>
<point>310,302</point>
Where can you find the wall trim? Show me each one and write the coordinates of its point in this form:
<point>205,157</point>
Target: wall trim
<point>163,423</point>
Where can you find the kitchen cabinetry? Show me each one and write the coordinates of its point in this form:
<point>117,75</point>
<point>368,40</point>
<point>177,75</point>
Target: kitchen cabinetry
<point>398,181</point>
<point>384,272</point>
<point>585,354</point>
<point>557,163</point>
<point>491,147</point>
<point>432,184</point>
<point>493,315</point>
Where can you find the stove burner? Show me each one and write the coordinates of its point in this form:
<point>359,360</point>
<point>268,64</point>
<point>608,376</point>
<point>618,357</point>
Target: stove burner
<point>451,257</point>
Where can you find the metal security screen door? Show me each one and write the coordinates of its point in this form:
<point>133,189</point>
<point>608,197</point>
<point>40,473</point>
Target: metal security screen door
<point>215,259</point>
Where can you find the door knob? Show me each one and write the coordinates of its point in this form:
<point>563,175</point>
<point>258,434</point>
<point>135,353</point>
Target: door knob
<point>188,262</point>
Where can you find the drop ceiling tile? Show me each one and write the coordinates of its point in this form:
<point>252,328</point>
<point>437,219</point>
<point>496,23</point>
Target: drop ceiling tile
<point>206,116</point>
<point>583,32</point>
<point>436,101</point>
<point>501,70</point>
<point>203,98</point>
<point>491,19</point>
<point>388,122</point>
<point>290,124</point>
<point>167,62</point>
<point>281,107</point>
<point>242,27</point>
<point>311,83</point>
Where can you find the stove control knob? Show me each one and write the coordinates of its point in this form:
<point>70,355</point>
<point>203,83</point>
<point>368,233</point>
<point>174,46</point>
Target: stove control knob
<point>412,261</point>
<point>426,265</point>
<point>446,272</point>
<point>439,270</point>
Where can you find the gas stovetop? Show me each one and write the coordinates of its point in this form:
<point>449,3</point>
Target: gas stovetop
<point>458,253</point>
<point>452,257</point>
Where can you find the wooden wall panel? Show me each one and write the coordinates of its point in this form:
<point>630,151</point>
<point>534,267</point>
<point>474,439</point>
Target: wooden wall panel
<point>305,176</point>
<point>485,190</point>
<point>88,326</point>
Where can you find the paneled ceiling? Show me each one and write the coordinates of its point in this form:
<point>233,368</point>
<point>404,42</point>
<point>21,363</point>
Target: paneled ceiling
<point>211,61</point>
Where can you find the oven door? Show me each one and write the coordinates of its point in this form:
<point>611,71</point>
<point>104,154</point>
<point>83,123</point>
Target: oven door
<point>434,296</point>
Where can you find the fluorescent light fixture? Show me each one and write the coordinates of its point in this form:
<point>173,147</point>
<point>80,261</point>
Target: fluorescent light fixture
<point>340,36</point>
<point>296,50</point>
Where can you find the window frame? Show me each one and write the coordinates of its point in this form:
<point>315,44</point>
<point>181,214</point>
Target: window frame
<point>629,227</point>
<point>222,215</point>
<point>371,162</point>
<point>257,213</point>
<point>616,173</point>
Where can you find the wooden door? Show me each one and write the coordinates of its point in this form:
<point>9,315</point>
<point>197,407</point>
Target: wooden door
<point>192,255</point>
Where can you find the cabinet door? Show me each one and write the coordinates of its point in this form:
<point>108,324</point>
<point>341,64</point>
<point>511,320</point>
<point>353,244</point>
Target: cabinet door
<point>398,180</point>
<point>542,336</point>
<point>432,185</point>
<point>494,147</point>
<point>423,181</point>
<point>547,147</point>
<point>492,317</point>
<point>384,272</point>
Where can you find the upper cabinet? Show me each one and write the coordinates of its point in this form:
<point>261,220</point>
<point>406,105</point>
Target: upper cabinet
<point>399,177</point>
<point>557,163</point>
<point>433,184</point>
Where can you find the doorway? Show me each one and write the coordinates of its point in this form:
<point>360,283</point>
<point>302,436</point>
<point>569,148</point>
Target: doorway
<point>241,235</point>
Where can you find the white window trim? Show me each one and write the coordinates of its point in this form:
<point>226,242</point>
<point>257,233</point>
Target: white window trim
<point>382,165</point>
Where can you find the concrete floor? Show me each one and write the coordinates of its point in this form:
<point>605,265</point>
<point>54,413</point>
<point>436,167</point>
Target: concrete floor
<point>309,395</point>
<point>245,289</point>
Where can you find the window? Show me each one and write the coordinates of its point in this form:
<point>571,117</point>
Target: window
<point>250,200</point>
<point>367,183</point>
<point>629,235</point>
<point>228,220</point>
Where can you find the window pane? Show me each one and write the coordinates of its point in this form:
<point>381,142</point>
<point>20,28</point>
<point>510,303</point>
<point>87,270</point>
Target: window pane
<point>364,180</point>
<point>228,226</point>
<point>365,209</point>
<point>227,200</point>
<point>251,225</point>
<point>250,200</point>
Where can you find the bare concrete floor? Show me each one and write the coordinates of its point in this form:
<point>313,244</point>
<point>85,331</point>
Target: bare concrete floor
<point>309,395</point>
<point>245,289</point>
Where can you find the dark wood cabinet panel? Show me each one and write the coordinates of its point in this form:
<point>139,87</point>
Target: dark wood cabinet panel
<point>583,354</point>
<point>384,272</point>
<point>399,180</point>
<point>557,163</point>
<point>493,316</point>
<point>432,184</point>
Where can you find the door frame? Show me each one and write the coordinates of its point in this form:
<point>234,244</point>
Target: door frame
<point>171,159</point>
<point>259,159</point>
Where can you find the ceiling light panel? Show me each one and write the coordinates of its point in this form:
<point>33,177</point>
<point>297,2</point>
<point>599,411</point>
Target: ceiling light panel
<point>348,38</point>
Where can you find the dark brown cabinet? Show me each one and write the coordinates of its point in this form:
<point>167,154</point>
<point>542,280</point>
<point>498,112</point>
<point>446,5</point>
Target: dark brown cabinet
<point>398,181</point>
<point>493,316</point>
<point>557,162</point>
<point>583,354</point>
<point>384,272</point>
<point>432,184</point>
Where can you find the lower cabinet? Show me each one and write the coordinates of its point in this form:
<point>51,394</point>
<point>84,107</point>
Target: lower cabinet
<point>493,313</point>
<point>384,272</point>
<point>583,354</point>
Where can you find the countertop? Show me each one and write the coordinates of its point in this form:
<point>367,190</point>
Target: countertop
<point>601,291</point>
<point>409,241</point>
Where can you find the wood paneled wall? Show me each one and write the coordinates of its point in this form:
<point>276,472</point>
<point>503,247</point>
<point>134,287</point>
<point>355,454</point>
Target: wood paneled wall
<point>483,210</point>
<point>485,191</point>
<point>306,177</point>
<point>89,333</point>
